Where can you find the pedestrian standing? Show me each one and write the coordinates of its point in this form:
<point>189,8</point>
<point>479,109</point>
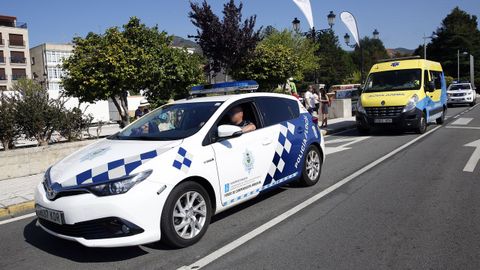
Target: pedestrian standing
<point>324,104</point>
<point>310,99</point>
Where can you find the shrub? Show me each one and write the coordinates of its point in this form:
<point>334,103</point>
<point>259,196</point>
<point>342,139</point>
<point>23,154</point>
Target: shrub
<point>9,130</point>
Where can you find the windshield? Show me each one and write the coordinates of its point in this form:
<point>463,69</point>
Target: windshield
<point>170,122</point>
<point>464,86</point>
<point>406,79</point>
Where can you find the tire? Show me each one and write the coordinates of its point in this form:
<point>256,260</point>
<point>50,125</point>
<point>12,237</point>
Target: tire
<point>441,119</point>
<point>473,104</point>
<point>179,194</point>
<point>422,124</point>
<point>312,167</point>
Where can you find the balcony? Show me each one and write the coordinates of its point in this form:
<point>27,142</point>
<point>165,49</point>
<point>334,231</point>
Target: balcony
<point>16,77</point>
<point>18,60</point>
<point>16,43</point>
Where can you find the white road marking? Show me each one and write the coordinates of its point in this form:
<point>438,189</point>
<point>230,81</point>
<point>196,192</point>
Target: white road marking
<point>463,121</point>
<point>460,127</point>
<point>17,218</point>
<point>472,162</point>
<point>254,233</point>
<point>343,147</point>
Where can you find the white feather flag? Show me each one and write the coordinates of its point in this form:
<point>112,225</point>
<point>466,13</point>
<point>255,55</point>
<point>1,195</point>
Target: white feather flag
<point>306,8</point>
<point>349,20</point>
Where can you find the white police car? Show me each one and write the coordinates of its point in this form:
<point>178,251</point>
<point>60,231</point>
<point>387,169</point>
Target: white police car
<point>165,175</point>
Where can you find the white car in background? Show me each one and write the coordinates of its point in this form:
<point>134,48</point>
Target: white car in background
<point>461,93</point>
<point>166,174</point>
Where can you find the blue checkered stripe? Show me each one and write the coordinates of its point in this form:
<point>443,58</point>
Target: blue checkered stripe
<point>183,160</point>
<point>114,169</point>
<point>282,150</point>
<point>258,190</point>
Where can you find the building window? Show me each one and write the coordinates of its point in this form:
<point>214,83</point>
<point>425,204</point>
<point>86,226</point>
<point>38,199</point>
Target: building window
<point>56,57</point>
<point>18,73</point>
<point>2,58</point>
<point>16,40</point>
<point>3,88</point>
<point>3,77</point>
<point>17,58</point>
<point>54,73</point>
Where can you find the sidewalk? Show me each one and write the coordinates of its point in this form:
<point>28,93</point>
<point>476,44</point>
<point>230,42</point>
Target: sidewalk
<point>16,194</point>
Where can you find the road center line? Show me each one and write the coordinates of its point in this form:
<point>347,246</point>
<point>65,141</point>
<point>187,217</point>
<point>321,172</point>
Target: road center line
<point>259,230</point>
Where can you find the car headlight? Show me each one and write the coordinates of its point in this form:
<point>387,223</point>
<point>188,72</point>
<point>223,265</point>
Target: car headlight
<point>119,186</point>
<point>360,108</point>
<point>411,104</point>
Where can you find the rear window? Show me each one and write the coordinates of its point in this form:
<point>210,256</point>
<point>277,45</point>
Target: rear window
<point>276,110</point>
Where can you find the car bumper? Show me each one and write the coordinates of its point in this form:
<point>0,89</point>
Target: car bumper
<point>94,221</point>
<point>406,120</point>
<point>461,100</point>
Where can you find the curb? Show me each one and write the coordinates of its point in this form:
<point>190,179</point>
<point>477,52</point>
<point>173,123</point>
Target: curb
<point>12,210</point>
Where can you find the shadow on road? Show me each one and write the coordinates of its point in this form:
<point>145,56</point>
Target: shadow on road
<point>74,251</point>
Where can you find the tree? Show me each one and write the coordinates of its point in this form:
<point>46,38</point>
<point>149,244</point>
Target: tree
<point>303,49</point>
<point>458,32</point>
<point>227,43</point>
<point>112,64</point>
<point>373,51</point>
<point>73,122</point>
<point>334,63</point>
<point>9,130</point>
<point>270,65</point>
<point>37,115</point>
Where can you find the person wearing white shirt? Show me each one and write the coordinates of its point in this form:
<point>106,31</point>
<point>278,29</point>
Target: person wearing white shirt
<point>310,99</point>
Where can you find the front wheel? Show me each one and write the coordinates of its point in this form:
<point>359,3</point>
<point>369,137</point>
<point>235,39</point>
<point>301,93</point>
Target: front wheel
<point>422,124</point>
<point>186,215</point>
<point>441,119</point>
<point>312,167</point>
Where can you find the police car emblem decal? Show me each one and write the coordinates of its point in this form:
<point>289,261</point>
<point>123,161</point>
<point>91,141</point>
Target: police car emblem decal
<point>248,160</point>
<point>95,153</point>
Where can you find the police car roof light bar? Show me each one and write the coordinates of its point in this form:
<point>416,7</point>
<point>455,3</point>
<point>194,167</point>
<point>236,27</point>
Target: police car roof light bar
<point>226,87</point>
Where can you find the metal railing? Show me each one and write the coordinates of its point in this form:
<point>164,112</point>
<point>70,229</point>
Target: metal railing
<point>18,60</point>
<point>18,76</point>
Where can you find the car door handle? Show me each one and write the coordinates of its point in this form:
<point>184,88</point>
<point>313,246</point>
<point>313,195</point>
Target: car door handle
<point>267,141</point>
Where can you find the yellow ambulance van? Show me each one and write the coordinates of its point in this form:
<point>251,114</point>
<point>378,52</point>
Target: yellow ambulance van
<point>406,93</point>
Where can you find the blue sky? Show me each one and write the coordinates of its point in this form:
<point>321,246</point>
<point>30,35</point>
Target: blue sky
<point>401,23</point>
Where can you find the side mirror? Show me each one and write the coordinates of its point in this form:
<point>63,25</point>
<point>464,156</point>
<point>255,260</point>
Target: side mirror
<point>229,131</point>
<point>431,86</point>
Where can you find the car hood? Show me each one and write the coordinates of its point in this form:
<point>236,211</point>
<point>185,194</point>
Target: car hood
<point>105,160</point>
<point>459,91</point>
<point>391,98</point>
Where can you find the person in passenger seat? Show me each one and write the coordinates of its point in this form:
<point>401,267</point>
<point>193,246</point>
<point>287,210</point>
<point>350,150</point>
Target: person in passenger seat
<point>236,118</point>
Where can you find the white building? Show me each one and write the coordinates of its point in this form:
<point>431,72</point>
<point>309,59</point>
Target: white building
<point>14,53</point>
<point>46,61</point>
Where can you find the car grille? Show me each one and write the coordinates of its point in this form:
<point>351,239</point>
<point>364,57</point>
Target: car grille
<point>458,94</point>
<point>384,111</point>
<point>94,229</point>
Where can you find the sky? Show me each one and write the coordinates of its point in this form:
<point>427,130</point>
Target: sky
<point>400,23</point>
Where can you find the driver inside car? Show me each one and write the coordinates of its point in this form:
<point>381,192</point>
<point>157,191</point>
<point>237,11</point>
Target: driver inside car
<point>236,118</point>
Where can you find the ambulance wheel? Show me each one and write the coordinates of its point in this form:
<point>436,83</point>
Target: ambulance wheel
<point>312,167</point>
<point>441,119</point>
<point>186,215</point>
<point>422,124</point>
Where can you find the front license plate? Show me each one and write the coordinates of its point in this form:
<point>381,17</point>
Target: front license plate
<point>49,214</point>
<point>384,121</point>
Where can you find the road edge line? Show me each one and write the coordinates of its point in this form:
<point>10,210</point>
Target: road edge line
<point>266,226</point>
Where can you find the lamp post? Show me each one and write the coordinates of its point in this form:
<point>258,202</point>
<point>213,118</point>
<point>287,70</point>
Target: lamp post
<point>471,58</point>
<point>425,43</point>
<point>376,35</point>
<point>313,33</point>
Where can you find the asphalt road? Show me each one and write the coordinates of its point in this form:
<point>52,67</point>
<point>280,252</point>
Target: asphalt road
<point>415,210</point>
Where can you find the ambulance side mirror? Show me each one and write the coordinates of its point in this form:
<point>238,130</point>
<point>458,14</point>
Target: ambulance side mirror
<point>228,131</point>
<point>431,86</point>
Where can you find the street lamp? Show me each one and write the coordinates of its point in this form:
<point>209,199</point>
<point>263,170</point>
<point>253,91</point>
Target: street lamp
<point>376,34</point>
<point>425,43</point>
<point>312,34</point>
<point>296,24</point>
<point>331,19</point>
<point>347,40</point>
